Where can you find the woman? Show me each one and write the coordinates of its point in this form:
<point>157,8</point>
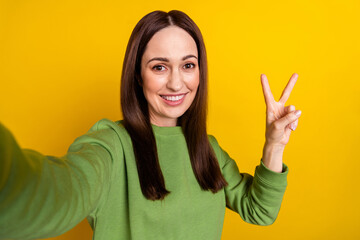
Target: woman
<point>156,174</point>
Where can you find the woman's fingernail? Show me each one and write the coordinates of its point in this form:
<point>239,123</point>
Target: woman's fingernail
<point>298,113</point>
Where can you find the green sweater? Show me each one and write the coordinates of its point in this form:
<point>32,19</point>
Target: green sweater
<point>45,196</point>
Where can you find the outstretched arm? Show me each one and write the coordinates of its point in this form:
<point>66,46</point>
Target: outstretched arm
<point>45,196</point>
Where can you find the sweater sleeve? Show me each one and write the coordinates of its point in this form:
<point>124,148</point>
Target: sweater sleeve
<point>256,198</point>
<point>45,196</point>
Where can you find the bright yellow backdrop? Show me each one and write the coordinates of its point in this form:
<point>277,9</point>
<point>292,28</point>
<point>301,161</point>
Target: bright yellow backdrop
<point>60,66</point>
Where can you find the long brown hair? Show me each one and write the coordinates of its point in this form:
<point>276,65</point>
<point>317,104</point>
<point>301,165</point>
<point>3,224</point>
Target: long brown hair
<point>193,121</point>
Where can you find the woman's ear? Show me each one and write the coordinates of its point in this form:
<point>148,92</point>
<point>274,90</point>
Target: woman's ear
<point>139,80</point>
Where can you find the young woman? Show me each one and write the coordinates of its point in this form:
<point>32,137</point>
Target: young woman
<point>156,174</point>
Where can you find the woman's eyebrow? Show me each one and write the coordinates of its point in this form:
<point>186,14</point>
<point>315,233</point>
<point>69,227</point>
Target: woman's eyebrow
<point>167,60</point>
<point>189,56</point>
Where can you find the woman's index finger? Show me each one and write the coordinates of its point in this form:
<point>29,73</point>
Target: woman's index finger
<point>266,90</point>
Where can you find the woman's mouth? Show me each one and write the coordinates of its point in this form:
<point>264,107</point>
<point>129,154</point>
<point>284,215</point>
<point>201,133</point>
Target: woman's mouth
<point>173,100</point>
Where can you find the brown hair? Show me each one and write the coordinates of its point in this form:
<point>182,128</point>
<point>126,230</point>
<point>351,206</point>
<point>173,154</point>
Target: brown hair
<point>193,121</point>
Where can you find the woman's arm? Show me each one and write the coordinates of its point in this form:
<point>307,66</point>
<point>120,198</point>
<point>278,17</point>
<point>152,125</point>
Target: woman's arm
<point>256,198</point>
<point>45,196</point>
<point>281,120</point>
<point>272,157</point>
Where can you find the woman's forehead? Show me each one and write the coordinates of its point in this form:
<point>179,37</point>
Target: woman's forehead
<point>172,43</point>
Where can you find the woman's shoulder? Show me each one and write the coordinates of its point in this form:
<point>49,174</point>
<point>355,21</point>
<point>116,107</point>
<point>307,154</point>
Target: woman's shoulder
<point>213,141</point>
<point>217,149</point>
<point>108,127</point>
<point>106,123</point>
<point>108,132</point>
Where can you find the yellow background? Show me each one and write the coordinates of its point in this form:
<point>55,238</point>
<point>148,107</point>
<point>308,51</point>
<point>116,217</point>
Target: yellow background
<point>60,66</point>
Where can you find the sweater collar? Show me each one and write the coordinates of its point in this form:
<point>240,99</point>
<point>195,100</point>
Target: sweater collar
<point>177,130</point>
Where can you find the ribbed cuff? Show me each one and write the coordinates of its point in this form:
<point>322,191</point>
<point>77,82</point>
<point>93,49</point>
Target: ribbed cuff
<point>271,177</point>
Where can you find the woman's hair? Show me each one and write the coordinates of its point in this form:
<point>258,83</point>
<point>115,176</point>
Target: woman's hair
<point>193,121</point>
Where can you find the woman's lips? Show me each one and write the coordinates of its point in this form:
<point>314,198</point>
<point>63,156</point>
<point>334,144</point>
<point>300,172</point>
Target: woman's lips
<point>173,99</point>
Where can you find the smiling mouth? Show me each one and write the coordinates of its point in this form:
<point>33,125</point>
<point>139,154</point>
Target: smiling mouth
<point>173,98</point>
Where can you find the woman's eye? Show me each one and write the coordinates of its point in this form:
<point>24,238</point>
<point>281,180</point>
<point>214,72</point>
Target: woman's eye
<point>159,68</point>
<point>189,65</point>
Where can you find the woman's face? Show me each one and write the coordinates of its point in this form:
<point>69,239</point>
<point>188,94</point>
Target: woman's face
<point>170,75</point>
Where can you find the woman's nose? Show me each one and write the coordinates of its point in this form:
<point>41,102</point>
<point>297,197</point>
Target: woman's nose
<point>175,81</point>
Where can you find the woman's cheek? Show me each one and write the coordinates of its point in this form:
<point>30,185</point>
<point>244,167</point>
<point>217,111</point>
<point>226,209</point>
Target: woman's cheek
<point>153,82</point>
<point>193,81</point>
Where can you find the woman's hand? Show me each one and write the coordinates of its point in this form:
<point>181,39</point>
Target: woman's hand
<point>280,119</point>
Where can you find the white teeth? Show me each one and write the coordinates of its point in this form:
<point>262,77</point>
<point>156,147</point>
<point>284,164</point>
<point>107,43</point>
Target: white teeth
<point>173,98</point>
